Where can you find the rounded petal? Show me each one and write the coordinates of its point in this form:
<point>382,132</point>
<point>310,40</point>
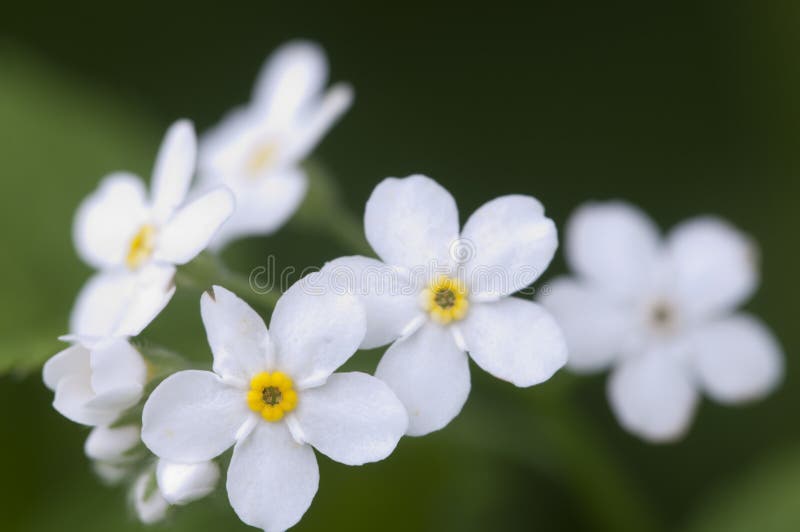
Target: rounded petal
<point>191,229</point>
<point>263,205</point>
<point>506,245</point>
<point>389,301</point>
<point>184,483</point>
<point>353,418</point>
<point>237,335</point>
<point>272,479</point>
<point>653,396</point>
<point>738,359</point>
<point>430,375</point>
<point>174,168</point>
<point>109,444</point>
<point>73,401</point>
<point>117,365</point>
<point>192,417</point>
<point>514,340</point>
<point>108,219</point>
<point>122,303</point>
<point>411,222</point>
<point>594,327</point>
<point>614,246</point>
<point>292,77</point>
<point>715,266</point>
<point>315,330</point>
<point>151,507</point>
<point>73,360</point>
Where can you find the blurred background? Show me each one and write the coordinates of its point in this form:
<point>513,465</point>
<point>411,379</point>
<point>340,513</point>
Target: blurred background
<point>680,107</point>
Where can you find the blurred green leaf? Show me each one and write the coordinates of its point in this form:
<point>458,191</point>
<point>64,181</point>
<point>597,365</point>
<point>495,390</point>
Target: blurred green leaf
<point>58,138</point>
<point>765,498</point>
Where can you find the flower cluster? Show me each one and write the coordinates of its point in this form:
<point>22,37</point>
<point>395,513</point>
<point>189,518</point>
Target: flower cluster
<point>438,294</point>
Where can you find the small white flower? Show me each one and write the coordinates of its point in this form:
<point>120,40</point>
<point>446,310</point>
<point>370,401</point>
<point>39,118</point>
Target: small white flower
<point>171,484</point>
<point>95,381</point>
<point>110,449</point>
<point>136,241</point>
<point>183,483</point>
<point>256,149</point>
<point>661,314</point>
<point>272,396</point>
<point>443,293</point>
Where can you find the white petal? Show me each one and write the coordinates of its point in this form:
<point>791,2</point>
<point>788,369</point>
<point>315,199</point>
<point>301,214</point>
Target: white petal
<point>613,245</point>
<point>192,417</point>
<point>595,327</point>
<point>514,340</point>
<point>430,375</point>
<point>121,302</point>
<point>116,365</point>
<point>292,76</point>
<point>193,226</point>
<point>738,359</point>
<point>653,396</point>
<point>315,330</point>
<point>151,507</point>
<point>184,483</point>
<point>507,244</point>
<point>318,119</point>
<point>73,401</point>
<point>390,302</point>
<point>715,266</point>
<point>272,479</point>
<point>411,222</point>
<point>109,218</point>
<point>353,418</point>
<point>237,335</point>
<point>174,168</point>
<point>263,204</point>
<point>73,360</point>
<point>111,444</point>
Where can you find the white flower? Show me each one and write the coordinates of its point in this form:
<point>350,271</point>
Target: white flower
<point>136,241</point>
<point>111,451</point>
<point>95,381</point>
<point>183,483</point>
<point>272,396</point>
<point>171,484</point>
<point>661,314</point>
<point>256,149</point>
<point>444,294</point>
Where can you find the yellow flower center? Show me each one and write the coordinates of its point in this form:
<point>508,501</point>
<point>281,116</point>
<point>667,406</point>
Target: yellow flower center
<point>445,300</point>
<point>271,395</point>
<point>141,247</point>
<point>261,158</point>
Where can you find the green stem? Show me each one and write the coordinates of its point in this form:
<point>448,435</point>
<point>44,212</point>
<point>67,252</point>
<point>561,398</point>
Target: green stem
<point>207,270</point>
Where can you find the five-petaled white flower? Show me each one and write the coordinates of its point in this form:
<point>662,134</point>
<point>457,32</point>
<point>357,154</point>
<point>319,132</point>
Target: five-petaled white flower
<point>95,380</point>
<point>273,395</point>
<point>445,295</point>
<point>136,241</point>
<point>256,149</point>
<point>661,313</point>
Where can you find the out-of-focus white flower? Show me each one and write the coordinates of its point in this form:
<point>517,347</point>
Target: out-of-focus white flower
<point>110,449</point>
<point>184,483</point>
<point>273,395</point>
<point>443,293</point>
<point>661,313</point>
<point>148,501</point>
<point>256,149</point>
<point>95,381</point>
<point>135,241</point>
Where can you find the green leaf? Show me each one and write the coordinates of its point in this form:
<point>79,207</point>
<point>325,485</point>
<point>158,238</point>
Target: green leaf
<point>765,498</point>
<point>58,138</point>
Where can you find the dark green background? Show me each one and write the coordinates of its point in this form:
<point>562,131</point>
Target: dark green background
<point>681,107</point>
